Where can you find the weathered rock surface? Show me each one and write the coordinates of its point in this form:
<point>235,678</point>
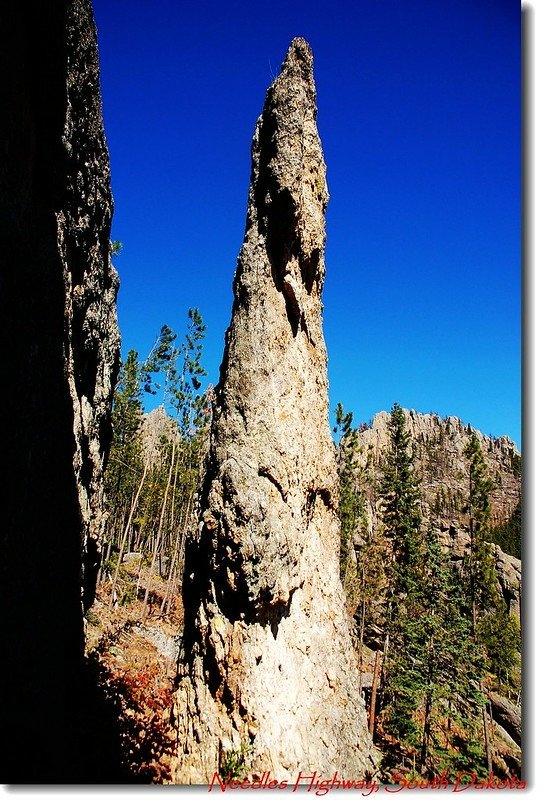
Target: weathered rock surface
<point>438,447</point>
<point>58,307</point>
<point>509,575</point>
<point>156,427</point>
<point>455,543</point>
<point>267,647</point>
<point>507,715</point>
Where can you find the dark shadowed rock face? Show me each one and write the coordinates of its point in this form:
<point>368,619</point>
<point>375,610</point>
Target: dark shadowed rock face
<point>267,645</point>
<point>58,308</point>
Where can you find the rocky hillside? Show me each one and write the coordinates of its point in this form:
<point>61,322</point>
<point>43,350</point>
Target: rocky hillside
<point>438,446</point>
<point>438,460</point>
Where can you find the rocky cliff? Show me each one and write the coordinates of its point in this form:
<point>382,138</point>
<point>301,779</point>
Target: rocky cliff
<point>156,428</point>
<point>58,307</point>
<point>441,465</point>
<point>270,676</point>
<point>438,446</point>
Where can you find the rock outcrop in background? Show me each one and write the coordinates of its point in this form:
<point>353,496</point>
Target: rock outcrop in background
<point>157,427</point>
<point>270,674</point>
<point>62,348</point>
<point>442,467</point>
<point>439,446</point>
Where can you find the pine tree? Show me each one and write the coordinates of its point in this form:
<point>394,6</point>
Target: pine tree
<point>373,561</point>
<point>362,566</point>
<point>151,503</point>
<point>401,522</point>
<point>433,669</point>
<point>125,456</point>
<point>508,533</point>
<point>490,620</point>
<point>178,372</point>
<point>351,502</point>
<point>159,360</point>
<point>491,628</point>
<point>451,669</point>
<point>499,633</point>
<point>401,499</point>
<point>125,474</point>
<point>188,402</point>
<point>480,565</point>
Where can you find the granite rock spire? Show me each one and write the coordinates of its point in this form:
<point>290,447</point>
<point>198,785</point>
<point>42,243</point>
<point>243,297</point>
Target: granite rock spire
<point>268,660</point>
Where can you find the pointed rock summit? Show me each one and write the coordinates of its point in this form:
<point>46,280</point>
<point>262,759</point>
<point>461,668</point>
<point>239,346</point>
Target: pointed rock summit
<point>270,673</point>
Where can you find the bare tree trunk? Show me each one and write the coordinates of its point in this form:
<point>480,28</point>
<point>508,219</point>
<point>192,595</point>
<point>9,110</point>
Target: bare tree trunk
<point>176,475</point>
<point>106,555</point>
<point>138,584</point>
<point>361,633</point>
<point>385,661</point>
<point>374,689</point>
<point>472,579</point>
<point>428,702</point>
<point>173,564</point>
<point>115,522</point>
<point>170,574</point>
<point>160,524</point>
<point>487,738</point>
<point>426,727</point>
<point>126,530</point>
<point>180,561</point>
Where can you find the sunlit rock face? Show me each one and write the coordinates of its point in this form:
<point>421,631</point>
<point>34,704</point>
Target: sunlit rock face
<point>268,660</point>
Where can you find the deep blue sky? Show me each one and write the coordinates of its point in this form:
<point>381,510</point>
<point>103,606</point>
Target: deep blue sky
<point>419,115</point>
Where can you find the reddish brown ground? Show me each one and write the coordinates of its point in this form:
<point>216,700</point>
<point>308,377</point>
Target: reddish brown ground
<point>132,649</point>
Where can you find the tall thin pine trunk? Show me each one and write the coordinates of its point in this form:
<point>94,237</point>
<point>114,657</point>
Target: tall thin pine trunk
<point>180,559</point>
<point>362,631</point>
<point>374,689</point>
<point>160,524</point>
<point>487,739</point>
<point>173,564</point>
<point>126,530</point>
